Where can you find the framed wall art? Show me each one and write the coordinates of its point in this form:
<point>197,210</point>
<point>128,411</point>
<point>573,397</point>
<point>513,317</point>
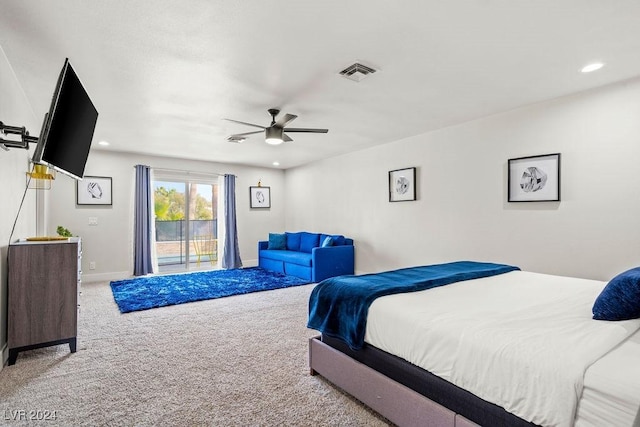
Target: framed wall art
<point>259,197</point>
<point>402,185</point>
<point>534,179</point>
<point>94,190</point>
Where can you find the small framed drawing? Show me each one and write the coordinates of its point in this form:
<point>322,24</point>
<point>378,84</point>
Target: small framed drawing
<point>402,185</point>
<point>259,197</point>
<point>94,190</point>
<point>534,179</point>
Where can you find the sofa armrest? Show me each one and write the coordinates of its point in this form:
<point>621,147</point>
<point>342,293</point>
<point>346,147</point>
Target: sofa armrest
<point>331,261</point>
<point>263,244</point>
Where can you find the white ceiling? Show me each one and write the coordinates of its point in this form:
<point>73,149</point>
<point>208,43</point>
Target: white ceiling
<point>163,74</point>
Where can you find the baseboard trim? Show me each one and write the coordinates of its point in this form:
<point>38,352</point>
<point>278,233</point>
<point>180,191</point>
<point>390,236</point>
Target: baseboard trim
<point>250,263</point>
<point>105,277</point>
<point>121,275</point>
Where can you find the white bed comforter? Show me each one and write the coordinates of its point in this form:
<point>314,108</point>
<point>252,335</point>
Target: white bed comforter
<point>611,393</point>
<point>520,340</point>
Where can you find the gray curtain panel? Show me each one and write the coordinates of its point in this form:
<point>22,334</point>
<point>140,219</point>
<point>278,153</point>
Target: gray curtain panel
<point>231,253</point>
<point>143,263</point>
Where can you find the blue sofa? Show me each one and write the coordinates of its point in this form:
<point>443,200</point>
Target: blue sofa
<point>304,257</point>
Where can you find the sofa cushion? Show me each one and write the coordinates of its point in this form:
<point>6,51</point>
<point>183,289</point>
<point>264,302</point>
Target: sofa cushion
<point>328,241</point>
<point>338,240</point>
<point>323,237</point>
<point>293,241</point>
<point>308,241</point>
<point>300,258</point>
<point>277,241</point>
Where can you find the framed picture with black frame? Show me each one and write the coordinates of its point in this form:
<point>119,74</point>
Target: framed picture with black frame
<point>94,190</point>
<point>534,178</point>
<point>259,197</point>
<point>402,185</point>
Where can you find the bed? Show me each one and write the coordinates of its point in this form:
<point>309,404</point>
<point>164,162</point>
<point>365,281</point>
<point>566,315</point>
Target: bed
<point>513,348</point>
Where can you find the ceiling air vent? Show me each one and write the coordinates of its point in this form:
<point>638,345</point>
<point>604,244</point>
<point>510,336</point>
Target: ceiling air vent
<point>236,139</point>
<point>357,72</point>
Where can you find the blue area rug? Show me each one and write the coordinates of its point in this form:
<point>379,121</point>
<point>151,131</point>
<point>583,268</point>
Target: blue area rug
<point>143,293</point>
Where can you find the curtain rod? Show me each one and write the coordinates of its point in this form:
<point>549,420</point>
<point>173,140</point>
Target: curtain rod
<point>189,172</point>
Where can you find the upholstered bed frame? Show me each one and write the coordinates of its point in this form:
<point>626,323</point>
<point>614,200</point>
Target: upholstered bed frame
<point>401,392</point>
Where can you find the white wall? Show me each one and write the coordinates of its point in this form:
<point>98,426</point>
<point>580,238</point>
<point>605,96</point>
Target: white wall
<point>110,243</point>
<point>461,211</point>
<point>15,111</point>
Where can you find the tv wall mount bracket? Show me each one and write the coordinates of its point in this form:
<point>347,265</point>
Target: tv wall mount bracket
<point>24,141</point>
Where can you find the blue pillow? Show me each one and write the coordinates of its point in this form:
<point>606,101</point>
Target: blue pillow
<point>293,241</point>
<point>338,240</point>
<point>328,241</point>
<point>323,237</point>
<point>620,299</point>
<point>277,241</point>
<point>308,241</point>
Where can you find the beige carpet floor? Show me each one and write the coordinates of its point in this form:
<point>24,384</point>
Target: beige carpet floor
<point>236,361</point>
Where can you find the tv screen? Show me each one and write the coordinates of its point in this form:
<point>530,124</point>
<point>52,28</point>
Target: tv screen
<point>67,130</point>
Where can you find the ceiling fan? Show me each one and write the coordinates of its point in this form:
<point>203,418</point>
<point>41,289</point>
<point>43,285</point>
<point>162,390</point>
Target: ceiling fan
<point>275,132</point>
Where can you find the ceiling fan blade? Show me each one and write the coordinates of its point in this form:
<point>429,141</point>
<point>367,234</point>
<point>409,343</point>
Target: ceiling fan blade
<point>245,123</point>
<point>246,133</point>
<point>306,130</point>
<point>286,138</point>
<point>286,119</point>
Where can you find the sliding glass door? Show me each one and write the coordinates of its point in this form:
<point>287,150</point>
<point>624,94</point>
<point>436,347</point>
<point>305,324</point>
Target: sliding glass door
<point>186,224</point>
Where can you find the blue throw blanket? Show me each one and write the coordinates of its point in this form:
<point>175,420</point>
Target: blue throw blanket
<point>338,306</point>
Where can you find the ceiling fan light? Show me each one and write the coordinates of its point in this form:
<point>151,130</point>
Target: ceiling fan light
<point>273,141</point>
<point>273,136</point>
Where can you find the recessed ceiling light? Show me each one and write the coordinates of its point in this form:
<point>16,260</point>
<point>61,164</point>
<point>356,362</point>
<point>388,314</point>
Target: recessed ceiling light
<point>276,163</point>
<point>103,143</point>
<point>592,67</point>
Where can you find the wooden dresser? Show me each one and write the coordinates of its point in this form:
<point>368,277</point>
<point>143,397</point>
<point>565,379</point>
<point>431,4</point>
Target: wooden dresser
<point>43,287</point>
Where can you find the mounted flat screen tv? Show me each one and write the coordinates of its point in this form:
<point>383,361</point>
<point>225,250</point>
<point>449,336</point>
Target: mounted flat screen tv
<point>67,130</point>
